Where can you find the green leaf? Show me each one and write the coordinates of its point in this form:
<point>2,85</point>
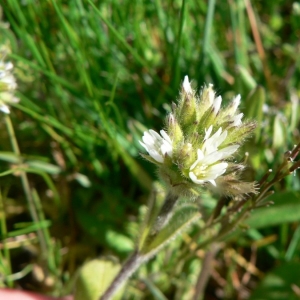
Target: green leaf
<point>119,241</point>
<point>83,180</point>
<point>94,278</point>
<point>155,291</point>
<point>44,167</point>
<point>29,227</point>
<point>278,284</point>
<point>181,219</point>
<point>279,132</point>
<point>151,216</point>
<point>286,209</point>
<point>254,103</point>
<point>246,77</point>
<point>9,157</point>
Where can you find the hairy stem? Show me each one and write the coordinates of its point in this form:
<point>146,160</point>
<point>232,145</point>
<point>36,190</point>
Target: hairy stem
<point>205,271</point>
<point>166,211</point>
<point>129,267</point>
<point>137,258</point>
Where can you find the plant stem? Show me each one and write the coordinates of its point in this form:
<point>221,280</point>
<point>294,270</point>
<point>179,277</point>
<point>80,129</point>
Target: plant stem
<point>166,211</point>
<point>129,267</point>
<point>25,182</point>
<point>6,261</point>
<point>137,258</point>
<point>205,271</point>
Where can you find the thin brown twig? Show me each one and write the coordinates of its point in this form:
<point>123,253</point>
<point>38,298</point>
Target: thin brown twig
<point>258,43</point>
<point>205,272</point>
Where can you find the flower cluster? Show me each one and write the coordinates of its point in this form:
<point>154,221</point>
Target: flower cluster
<point>7,85</point>
<point>199,141</point>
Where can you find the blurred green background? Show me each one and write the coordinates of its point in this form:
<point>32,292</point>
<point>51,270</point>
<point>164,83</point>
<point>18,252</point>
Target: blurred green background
<point>92,76</point>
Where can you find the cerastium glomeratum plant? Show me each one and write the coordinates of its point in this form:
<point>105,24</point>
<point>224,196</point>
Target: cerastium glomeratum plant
<point>196,151</point>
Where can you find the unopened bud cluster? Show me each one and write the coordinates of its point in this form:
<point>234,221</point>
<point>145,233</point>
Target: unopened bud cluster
<point>199,142</point>
<point>7,83</point>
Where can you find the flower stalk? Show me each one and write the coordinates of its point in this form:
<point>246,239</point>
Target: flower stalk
<point>7,89</point>
<point>129,267</point>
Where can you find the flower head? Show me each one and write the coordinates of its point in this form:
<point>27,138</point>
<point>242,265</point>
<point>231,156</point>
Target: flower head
<point>7,86</point>
<point>200,140</point>
<point>158,146</point>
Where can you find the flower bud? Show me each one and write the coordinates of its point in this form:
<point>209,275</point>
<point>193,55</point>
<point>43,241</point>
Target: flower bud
<point>186,155</point>
<point>174,130</point>
<point>186,111</point>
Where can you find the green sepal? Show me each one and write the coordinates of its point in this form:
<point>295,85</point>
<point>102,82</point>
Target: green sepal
<point>188,111</point>
<point>238,134</point>
<point>174,129</point>
<point>149,158</point>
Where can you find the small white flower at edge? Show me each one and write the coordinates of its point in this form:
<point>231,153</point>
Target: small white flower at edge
<point>4,108</point>
<point>157,145</point>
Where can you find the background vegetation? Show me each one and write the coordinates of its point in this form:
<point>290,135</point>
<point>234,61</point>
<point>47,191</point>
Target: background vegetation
<point>92,76</point>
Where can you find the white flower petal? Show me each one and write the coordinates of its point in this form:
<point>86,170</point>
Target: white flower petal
<point>235,103</point>
<point>221,138</point>
<point>156,156</point>
<point>211,94</point>
<point>195,179</point>
<point>154,134</point>
<point>212,158</point>
<point>227,151</point>
<point>217,170</point>
<point>165,136</point>
<point>4,108</point>
<point>208,132</point>
<point>8,85</point>
<point>200,157</point>
<point>158,146</point>
<point>200,154</point>
<point>212,144</point>
<point>166,149</point>
<point>212,182</point>
<point>9,66</point>
<point>186,85</point>
<point>237,120</point>
<point>148,139</point>
<point>217,104</point>
<point>144,145</point>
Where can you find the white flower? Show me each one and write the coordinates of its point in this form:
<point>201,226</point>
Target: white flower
<point>6,78</point>
<point>208,167</point>
<point>186,85</point>
<point>7,86</point>
<point>4,108</point>
<point>157,145</point>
